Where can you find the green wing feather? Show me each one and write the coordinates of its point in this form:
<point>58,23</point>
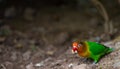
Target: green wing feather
<point>97,49</point>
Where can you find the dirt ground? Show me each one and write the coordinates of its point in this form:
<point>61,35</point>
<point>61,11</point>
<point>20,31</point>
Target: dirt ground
<point>45,41</point>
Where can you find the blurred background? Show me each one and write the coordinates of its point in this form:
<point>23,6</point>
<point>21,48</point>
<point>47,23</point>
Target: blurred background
<point>36,31</point>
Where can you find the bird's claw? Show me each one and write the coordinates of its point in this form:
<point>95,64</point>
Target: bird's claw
<point>95,63</point>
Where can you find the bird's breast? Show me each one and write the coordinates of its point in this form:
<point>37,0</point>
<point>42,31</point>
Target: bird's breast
<point>84,54</point>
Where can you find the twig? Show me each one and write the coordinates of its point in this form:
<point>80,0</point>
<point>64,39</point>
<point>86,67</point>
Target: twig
<point>3,66</point>
<point>111,27</point>
<point>108,27</point>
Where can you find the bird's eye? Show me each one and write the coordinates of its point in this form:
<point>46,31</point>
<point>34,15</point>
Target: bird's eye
<point>79,45</point>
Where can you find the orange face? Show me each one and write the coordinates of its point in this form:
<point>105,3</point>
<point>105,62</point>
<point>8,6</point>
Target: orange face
<point>74,47</point>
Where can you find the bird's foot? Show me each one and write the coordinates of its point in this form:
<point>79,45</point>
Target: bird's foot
<point>95,63</point>
<point>85,59</point>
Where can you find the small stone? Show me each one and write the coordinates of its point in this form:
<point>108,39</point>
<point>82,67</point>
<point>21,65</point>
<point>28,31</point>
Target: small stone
<point>39,64</point>
<point>50,52</point>
<point>9,65</point>
<point>42,63</point>
<point>70,65</point>
<point>26,55</point>
<point>116,65</point>
<point>30,66</point>
<point>19,46</point>
<point>14,56</point>
<point>82,66</point>
<point>117,45</point>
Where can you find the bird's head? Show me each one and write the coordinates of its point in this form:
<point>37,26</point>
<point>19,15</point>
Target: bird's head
<point>75,47</point>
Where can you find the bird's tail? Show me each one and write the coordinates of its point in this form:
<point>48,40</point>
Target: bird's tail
<point>110,50</point>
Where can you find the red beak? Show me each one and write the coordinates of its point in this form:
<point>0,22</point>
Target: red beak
<point>74,49</point>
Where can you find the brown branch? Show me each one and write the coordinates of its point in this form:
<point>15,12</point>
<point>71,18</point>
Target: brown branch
<point>103,13</point>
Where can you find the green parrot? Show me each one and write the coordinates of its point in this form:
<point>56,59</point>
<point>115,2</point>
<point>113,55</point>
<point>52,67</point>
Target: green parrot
<point>90,49</point>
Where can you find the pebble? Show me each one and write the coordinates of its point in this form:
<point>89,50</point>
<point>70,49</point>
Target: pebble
<point>82,66</point>
<point>14,56</point>
<point>50,52</point>
<point>116,65</point>
<point>39,64</point>
<point>70,65</point>
<point>30,66</point>
<point>9,65</point>
<point>26,55</point>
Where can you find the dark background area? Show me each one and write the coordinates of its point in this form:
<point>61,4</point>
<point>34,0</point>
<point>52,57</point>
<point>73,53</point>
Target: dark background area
<point>42,31</point>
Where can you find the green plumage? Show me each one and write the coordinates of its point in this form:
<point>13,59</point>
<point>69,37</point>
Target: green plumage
<point>96,50</point>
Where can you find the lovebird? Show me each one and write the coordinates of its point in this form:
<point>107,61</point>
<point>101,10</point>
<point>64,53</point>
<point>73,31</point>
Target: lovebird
<point>90,49</point>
